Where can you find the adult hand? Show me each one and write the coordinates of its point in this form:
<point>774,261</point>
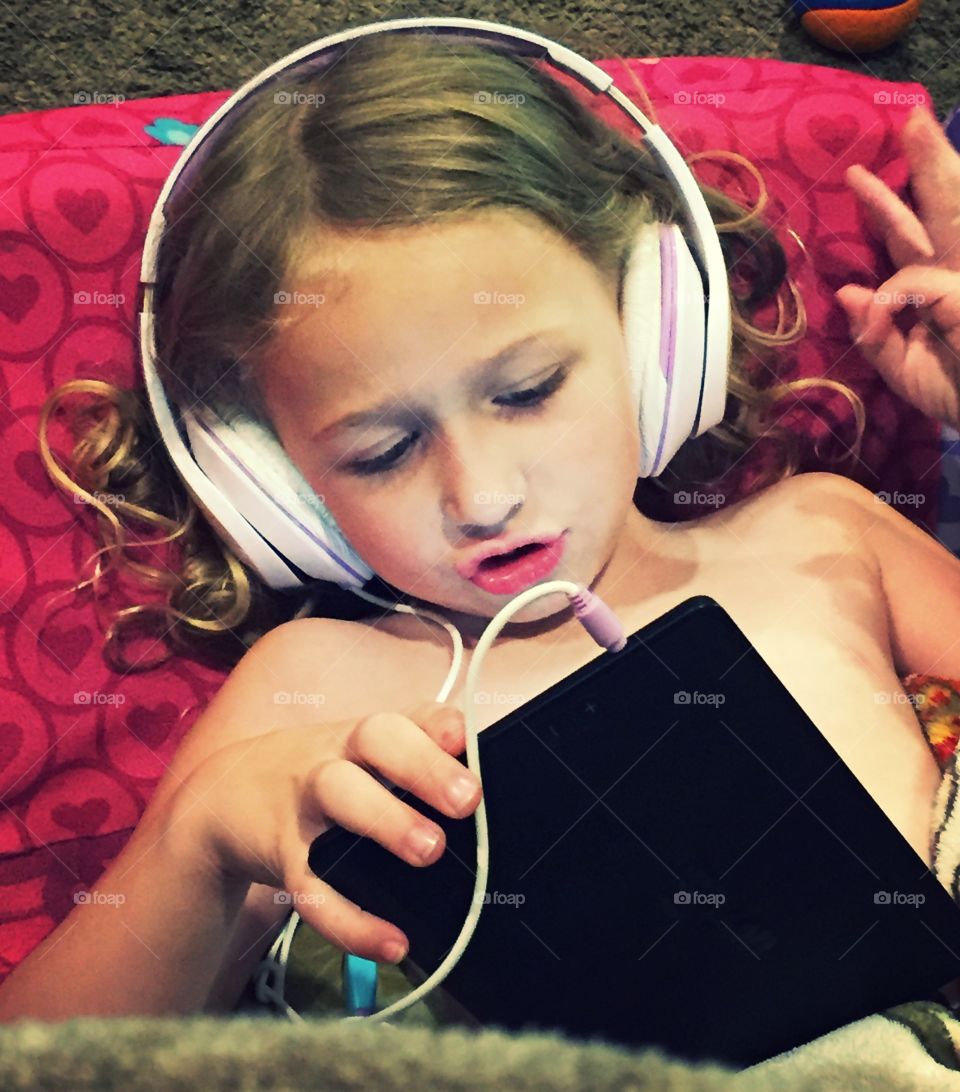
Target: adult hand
<point>924,366</point>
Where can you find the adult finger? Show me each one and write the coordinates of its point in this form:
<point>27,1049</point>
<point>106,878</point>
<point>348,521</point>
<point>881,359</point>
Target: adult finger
<point>935,292</point>
<point>935,182</point>
<point>903,235</point>
<point>921,367</point>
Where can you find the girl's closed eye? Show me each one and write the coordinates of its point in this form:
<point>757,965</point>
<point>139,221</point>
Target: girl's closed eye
<point>529,402</point>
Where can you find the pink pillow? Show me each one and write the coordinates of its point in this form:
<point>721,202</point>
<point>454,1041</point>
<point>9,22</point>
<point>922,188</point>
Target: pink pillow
<point>78,187</point>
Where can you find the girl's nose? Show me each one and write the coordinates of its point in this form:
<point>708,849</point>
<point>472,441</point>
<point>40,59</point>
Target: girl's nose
<point>481,486</point>
<point>491,530</point>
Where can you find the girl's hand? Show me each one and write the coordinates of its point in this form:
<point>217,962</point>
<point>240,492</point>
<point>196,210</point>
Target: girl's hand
<point>255,805</point>
<point>924,366</point>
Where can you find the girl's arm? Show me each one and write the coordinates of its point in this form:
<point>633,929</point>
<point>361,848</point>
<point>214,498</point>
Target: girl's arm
<point>149,939</point>
<point>256,927</point>
<point>179,920</point>
<point>168,936</point>
<point>121,954</point>
<point>920,577</point>
<point>160,932</point>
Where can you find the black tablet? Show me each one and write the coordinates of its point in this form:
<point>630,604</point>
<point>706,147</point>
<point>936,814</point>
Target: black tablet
<point>678,858</point>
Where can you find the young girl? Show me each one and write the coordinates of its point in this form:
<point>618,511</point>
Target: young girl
<point>398,203</point>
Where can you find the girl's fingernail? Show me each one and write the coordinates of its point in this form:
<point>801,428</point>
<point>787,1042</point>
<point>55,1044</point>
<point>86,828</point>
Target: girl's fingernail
<point>461,789</point>
<point>394,951</point>
<point>422,841</point>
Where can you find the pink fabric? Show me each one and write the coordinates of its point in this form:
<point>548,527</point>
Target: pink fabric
<point>78,186</point>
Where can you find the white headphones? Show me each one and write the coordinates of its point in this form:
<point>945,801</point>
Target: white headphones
<point>254,495</point>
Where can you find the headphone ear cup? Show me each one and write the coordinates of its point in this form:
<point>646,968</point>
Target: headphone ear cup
<point>640,320</point>
<point>245,461</point>
<point>662,286</point>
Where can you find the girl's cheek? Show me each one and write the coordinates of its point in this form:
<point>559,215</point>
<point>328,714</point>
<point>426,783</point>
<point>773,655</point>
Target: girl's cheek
<point>388,530</point>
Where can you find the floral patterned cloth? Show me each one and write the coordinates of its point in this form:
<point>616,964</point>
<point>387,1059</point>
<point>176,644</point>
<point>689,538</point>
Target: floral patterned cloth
<point>936,701</point>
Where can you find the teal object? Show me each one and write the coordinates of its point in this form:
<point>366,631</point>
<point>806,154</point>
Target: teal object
<point>359,985</point>
<point>171,131</point>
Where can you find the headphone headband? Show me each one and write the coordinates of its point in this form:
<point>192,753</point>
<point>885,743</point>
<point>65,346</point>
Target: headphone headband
<point>678,402</point>
<point>323,51</point>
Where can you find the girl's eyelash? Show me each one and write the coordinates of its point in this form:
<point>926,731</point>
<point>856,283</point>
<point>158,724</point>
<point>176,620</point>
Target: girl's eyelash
<point>388,461</point>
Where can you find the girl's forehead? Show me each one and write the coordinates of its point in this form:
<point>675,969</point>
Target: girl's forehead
<point>460,288</point>
<point>343,259</point>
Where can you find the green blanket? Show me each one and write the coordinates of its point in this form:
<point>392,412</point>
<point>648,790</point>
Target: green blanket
<point>256,1053</point>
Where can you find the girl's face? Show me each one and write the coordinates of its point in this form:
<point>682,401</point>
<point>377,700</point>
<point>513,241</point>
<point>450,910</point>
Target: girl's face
<point>454,448</point>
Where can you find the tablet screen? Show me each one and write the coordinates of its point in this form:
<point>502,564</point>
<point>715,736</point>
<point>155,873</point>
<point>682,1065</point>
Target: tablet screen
<point>678,858</point>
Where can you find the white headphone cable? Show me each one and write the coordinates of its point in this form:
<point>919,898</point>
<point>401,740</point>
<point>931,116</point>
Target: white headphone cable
<point>271,972</point>
<point>604,627</point>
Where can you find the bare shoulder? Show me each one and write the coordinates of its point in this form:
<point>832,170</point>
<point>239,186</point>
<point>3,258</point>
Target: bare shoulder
<point>823,503</point>
<point>805,515</point>
<point>833,491</point>
<point>883,529</point>
<point>845,490</point>
<point>302,637</point>
<point>308,637</point>
<point>281,680</point>
<point>364,664</point>
<point>308,669</point>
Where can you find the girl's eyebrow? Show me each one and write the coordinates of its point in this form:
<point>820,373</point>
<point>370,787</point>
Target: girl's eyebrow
<point>378,412</point>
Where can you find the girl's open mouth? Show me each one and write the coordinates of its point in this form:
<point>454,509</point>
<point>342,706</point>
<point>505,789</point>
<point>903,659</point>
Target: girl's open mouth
<point>508,574</point>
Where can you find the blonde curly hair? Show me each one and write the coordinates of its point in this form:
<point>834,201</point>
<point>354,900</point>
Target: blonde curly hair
<point>402,114</point>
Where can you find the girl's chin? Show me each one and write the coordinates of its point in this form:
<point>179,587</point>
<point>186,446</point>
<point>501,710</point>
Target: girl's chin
<point>543,609</point>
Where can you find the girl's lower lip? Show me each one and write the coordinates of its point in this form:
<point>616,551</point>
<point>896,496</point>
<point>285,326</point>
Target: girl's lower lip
<point>516,576</point>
